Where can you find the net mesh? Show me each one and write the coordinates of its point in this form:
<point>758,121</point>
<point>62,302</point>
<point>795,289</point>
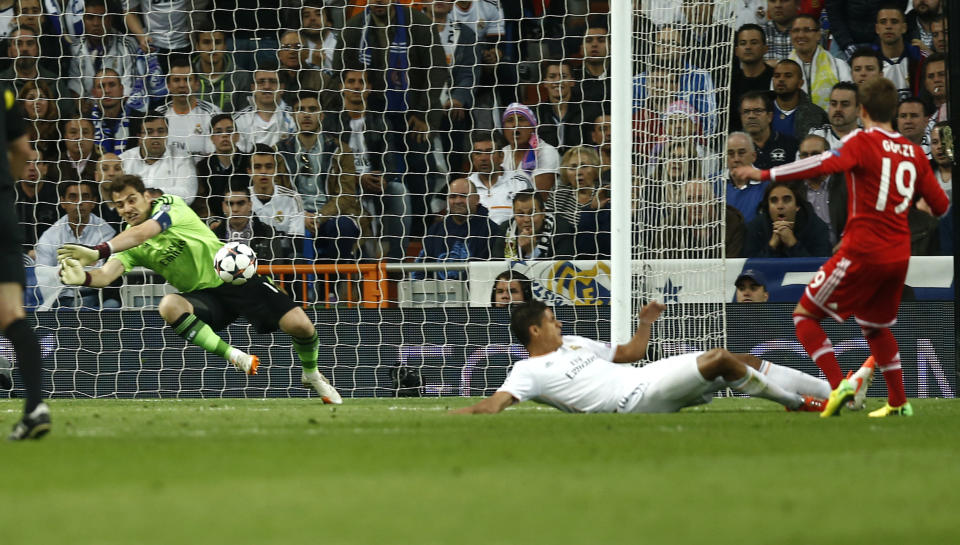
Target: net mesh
<point>349,141</point>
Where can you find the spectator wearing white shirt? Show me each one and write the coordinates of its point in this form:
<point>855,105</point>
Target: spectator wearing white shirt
<point>267,120</point>
<point>159,165</point>
<point>79,226</point>
<point>275,202</point>
<point>525,153</point>
<point>188,117</point>
<point>496,190</point>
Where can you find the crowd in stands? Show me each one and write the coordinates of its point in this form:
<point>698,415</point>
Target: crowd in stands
<point>454,130</point>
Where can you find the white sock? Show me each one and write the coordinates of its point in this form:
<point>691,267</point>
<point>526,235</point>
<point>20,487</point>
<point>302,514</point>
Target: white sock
<point>757,385</point>
<point>795,381</point>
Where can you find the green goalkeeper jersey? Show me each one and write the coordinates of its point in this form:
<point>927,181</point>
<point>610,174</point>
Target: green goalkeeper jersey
<point>182,252</point>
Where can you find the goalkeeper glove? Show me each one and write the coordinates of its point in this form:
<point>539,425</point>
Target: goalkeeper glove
<point>86,255</point>
<point>72,273</point>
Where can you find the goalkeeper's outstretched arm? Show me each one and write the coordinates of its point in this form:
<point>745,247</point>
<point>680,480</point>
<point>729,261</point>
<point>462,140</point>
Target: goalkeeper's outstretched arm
<point>130,238</point>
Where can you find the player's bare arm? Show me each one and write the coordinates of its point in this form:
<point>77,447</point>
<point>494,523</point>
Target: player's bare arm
<point>636,348</point>
<point>491,405</point>
<point>130,238</point>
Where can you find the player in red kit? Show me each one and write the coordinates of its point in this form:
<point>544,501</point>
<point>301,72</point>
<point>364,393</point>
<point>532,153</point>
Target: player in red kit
<point>865,277</point>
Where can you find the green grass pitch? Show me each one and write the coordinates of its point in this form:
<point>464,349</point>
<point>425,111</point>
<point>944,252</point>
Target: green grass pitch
<point>404,471</point>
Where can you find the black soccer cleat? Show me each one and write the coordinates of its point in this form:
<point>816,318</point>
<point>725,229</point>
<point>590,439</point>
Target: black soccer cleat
<point>32,426</point>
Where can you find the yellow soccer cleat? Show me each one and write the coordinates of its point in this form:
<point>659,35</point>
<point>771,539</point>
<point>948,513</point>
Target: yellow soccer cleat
<point>843,393</point>
<point>887,410</point>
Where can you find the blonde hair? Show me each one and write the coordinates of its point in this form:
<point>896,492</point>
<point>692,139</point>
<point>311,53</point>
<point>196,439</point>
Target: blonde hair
<point>584,153</point>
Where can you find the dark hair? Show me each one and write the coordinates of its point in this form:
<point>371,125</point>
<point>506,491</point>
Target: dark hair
<point>936,57</point>
<point>262,149</point>
<point>598,20</point>
<point>63,185</point>
<point>927,107</point>
<point>890,4</point>
<point>867,52</point>
<point>846,86</point>
<point>798,195</point>
<point>123,182</point>
<point>94,4</point>
<point>220,117</point>
<point>238,185</point>
<point>794,63</point>
<point>488,135</point>
<point>301,95</point>
<point>266,65</point>
<point>750,26</point>
<point>816,22</point>
<point>530,313</point>
<point>757,95</point>
<point>179,61</point>
<point>152,115</point>
<point>513,276</point>
<point>527,194</point>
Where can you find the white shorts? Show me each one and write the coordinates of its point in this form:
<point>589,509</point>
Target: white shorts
<point>670,384</point>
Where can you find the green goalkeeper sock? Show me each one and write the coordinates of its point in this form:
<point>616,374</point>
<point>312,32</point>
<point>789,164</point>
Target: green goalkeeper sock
<point>308,350</point>
<point>195,331</point>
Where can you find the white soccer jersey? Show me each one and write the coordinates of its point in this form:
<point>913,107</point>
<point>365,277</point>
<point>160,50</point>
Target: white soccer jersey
<point>189,133</point>
<point>484,17</point>
<point>578,377</point>
<point>254,129</point>
<point>498,199</point>
<point>283,212</point>
<point>174,173</point>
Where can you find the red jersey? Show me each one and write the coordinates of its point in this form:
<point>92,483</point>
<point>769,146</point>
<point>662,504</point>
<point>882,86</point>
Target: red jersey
<point>883,171</point>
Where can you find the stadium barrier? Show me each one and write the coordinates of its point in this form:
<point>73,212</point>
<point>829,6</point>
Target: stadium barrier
<point>452,351</point>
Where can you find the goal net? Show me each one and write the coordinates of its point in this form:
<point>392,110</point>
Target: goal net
<point>397,167</point>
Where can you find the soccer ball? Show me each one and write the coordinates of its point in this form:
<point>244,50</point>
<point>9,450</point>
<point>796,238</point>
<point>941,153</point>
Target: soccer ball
<point>235,263</point>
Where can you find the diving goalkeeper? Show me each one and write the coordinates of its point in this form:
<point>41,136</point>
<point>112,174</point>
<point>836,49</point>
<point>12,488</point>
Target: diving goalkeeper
<point>165,235</point>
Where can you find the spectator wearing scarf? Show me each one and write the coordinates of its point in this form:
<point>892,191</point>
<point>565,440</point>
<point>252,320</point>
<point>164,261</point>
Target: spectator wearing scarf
<point>537,160</point>
<point>553,236</point>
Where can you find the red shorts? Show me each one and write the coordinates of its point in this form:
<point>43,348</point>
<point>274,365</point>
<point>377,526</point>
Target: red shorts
<point>846,286</point>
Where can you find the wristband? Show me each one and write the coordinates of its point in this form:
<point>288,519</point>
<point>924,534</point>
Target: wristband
<point>87,280</point>
<point>105,249</point>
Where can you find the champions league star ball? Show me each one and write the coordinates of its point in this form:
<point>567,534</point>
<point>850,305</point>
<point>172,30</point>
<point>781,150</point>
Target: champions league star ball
<point>235,263</point>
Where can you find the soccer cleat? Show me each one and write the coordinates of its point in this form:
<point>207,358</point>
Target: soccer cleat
<point>838,397</point>
<point>861,381</point>
<point>887,410</point>
<point>320,384</point>
<point>247,363</point>
<point>32,426</point>
<point>810,404</point>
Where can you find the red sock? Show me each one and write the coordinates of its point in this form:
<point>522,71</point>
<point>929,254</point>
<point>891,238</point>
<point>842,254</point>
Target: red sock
<point>819,347</point>
<point>885,351</point>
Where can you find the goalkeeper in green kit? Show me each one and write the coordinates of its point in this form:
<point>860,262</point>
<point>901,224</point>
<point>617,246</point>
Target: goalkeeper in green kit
<point>165,235</point>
